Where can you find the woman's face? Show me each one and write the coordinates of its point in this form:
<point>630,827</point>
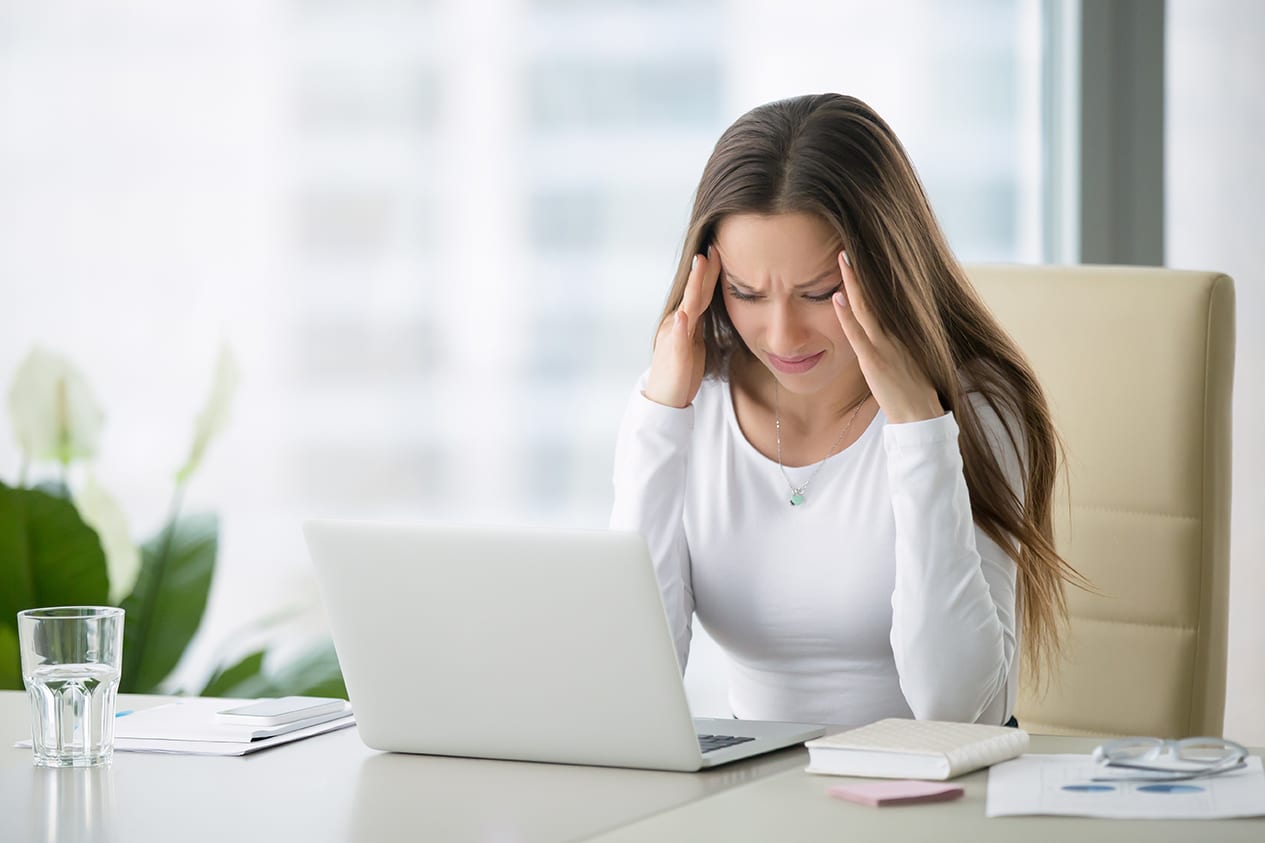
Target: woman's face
<point>778,274</point>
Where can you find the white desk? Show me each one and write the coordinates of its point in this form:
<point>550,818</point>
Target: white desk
<point>332,788</point>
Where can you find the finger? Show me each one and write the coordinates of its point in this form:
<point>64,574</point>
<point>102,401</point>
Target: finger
<point>691,300</point>
<point>666,327</point>
<point>857,336</point>
<point>684,349</point>
<point>672,365</point>
<point>670,324</point>
<point>710,276</point>
<point>855,301</point>
<point>701,285</point>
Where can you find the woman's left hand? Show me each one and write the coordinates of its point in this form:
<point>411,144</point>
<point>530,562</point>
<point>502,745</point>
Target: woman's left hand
<point>901,388</point>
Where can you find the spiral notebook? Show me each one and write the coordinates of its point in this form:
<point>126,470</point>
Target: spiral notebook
<point>914,749</point>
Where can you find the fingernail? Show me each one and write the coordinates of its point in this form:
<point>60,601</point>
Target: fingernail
<point>694,263</point>
<point>847,260</point>
<point>840,299</point>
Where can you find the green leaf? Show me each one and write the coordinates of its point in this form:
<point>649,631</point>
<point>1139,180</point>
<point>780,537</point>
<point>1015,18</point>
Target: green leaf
<point>314,674</point>
<point>167,603</point>
<point>247,672</point>
<point>48,556</point>
<point>10,660</point>
<point>56,488</point>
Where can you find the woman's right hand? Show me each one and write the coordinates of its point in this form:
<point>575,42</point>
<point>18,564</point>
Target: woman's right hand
<point>676,370</point>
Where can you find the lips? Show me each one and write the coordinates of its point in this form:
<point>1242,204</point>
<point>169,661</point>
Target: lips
<point>795,365</point>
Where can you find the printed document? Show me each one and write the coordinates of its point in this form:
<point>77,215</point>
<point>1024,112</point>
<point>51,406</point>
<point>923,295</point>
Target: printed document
<point>1063,785</point>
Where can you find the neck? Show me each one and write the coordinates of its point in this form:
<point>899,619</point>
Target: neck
<point>810,414</point>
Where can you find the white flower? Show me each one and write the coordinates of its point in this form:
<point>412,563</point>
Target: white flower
<point>214,415</point>
<point>102,513</point>
<point>55,415</point>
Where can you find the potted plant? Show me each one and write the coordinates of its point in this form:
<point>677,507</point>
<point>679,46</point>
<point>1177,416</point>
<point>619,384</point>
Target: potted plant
<point>67,542</point>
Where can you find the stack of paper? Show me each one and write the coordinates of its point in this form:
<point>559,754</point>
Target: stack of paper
<point>190,727</point>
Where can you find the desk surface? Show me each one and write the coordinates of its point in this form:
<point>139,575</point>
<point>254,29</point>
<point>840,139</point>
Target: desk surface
<point>333,788</point>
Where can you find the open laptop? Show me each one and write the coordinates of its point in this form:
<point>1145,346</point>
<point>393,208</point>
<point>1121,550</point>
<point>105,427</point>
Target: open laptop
<point>516,644</point>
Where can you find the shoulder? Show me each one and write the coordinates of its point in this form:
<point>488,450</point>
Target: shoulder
<point>715,388</point>
<point>712,402</point>
<point>997,413</point>
<point>992,399</point>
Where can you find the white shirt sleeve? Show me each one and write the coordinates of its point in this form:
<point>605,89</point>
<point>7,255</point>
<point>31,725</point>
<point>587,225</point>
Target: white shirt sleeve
<point>954,603</point>
<point>651,453</point>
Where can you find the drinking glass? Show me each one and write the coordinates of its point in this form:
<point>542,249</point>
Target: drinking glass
<point>71,660</point>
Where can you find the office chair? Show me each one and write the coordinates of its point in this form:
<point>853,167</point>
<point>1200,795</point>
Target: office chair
<point>1138,365</point>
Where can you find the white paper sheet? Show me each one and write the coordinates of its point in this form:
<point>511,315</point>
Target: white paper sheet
<point>189,727</point>
<point>193,719</point>
<point>179,747</point>
<point>1061,785</point>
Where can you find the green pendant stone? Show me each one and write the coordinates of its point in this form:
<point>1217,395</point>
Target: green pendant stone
<point>797,499</point>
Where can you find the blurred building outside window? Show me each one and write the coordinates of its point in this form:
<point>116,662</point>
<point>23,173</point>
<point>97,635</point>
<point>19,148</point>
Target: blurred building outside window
<point>437,234</point>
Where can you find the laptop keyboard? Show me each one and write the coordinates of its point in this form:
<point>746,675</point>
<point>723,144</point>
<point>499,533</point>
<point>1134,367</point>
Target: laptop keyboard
<point>709,743</point>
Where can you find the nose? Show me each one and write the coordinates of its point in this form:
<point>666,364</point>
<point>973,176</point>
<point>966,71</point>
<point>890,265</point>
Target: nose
<point>787,331</point>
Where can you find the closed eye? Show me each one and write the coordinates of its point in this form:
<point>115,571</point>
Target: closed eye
<point>824,297</point>
<point>741,296</point>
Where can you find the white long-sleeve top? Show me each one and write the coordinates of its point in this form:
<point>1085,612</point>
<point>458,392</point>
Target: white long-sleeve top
<point>878,597</point>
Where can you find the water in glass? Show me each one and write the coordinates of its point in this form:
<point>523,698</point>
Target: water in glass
<point>71,662</point>
<point>72,713</point>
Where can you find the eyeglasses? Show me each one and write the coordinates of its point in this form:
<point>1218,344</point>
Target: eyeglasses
<point>1159,760</point>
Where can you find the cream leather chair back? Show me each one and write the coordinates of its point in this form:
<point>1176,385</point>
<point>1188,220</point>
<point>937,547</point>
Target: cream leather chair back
<point>1138,366</point>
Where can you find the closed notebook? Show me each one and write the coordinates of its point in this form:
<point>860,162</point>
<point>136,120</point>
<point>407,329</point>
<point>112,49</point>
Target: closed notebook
<point>914,749</point>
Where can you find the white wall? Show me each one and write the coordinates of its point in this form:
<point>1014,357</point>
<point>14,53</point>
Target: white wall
<point>1215,177</point>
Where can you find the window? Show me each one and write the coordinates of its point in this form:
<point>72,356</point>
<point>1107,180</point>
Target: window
<point>437,234</point>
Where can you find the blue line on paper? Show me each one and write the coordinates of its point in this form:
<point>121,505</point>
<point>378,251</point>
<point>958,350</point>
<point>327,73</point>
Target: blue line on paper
<point>1170,788</point>
<point>1088,788</point>
<point>123,713</point>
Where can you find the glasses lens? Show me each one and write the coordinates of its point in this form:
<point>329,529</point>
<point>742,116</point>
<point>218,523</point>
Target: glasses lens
<point>1205,751</point>
<point>1132,749</point>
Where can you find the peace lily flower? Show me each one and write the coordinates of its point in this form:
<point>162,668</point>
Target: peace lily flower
<point>102,513</point>
<point>214,415</point>
<point>55,414</point>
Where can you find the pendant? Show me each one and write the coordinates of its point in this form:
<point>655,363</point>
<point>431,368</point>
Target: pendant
<point>797,498</point>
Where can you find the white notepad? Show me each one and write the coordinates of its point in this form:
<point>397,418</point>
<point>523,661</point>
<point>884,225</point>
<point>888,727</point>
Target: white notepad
<point>189,727</point>
<point>914,749</point>
<point>194,719</point>
<point>204,747</point>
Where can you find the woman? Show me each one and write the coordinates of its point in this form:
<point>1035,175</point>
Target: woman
<point>839,460</point>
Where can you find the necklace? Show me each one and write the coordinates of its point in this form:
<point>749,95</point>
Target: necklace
<point>797,492</point>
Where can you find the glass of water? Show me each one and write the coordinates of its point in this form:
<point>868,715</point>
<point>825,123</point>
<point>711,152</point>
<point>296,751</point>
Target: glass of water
<point>71,657</point>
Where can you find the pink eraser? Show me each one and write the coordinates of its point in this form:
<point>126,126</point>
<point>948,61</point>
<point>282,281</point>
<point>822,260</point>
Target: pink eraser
<point>895,792</point>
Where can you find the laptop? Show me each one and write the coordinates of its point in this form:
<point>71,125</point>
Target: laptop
<point>516,644</point>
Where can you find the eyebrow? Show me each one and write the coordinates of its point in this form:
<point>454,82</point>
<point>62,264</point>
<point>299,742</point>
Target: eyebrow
<point>737,282</point>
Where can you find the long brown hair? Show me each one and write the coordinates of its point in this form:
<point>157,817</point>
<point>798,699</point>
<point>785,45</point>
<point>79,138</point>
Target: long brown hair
<point>833,156</point>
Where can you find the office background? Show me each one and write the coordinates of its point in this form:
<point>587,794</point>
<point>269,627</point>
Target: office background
<point>436,235</point>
